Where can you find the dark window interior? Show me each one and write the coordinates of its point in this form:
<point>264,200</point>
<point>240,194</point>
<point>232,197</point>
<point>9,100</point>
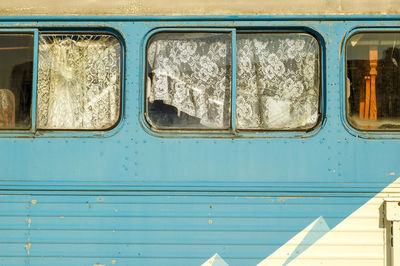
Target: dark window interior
<point>16,56</point>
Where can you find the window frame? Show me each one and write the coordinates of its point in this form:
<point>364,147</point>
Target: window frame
<point>34,131</point>
<point>360,133</point>
<point>31,130</point>
<point>233,132</point>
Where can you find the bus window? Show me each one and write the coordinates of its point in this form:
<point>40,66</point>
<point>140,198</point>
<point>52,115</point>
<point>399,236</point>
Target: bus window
<point>278,81</point>
<point>373,81</point>
<point>79,81</point>
<point>189,80</point>
<point>16,55</point>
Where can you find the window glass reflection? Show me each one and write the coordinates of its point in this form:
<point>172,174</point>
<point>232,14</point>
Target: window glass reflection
<point>373,81</point>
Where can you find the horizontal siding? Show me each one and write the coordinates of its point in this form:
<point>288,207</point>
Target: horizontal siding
<point>177,230</point>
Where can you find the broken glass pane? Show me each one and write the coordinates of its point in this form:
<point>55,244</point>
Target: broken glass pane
<point>373,81</point>
<point>278,81</point>
<point>16,55</point>
<point>189,80</point>
<point>79,81</point>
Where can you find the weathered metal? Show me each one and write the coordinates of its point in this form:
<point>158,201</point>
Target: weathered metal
<point>131,196</point>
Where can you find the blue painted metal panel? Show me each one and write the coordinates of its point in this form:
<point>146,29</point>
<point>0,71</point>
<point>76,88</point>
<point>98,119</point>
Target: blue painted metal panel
<point>156,205</point>
<point>149,230</point>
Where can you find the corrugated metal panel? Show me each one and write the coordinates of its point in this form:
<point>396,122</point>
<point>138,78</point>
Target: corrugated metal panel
<point>178,230</point>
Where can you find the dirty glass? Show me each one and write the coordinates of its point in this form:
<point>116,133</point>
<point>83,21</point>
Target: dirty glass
<point>16,57</point>
<point>188,80</point>
<point>278,81</point>
<point>79,81</point>
<point>373,81</point>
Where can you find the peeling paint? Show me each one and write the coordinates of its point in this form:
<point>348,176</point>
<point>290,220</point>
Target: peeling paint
<point>113,261</point>
<point>33,202</point>
<point>210,221</point>
<point>28,247</point>
<point>28,221</point>
<point>28,235</point>
<point>61,217</point>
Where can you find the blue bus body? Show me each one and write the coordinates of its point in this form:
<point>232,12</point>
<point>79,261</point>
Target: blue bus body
<point>132,196</point>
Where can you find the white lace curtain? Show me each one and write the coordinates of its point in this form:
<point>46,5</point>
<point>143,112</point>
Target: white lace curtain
<point>277,78</point>
<point>78,81</point>
<point>277,81</point>
<point>7,109</point>
<point>192,72</point>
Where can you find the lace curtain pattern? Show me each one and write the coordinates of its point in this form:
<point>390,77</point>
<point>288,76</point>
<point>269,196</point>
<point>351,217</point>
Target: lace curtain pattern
<point>277,81</point>
<point>192,72</point>
<point>78,81</point>
<point>7,109</point>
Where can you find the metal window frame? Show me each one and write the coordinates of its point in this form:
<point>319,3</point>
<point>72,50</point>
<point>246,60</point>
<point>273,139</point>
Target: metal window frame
<point>233,132</point>
<point>90,132</point>
<point>35,132</point>
<point>143,105</point>
<point>365,134</point>
<point>31,131</point>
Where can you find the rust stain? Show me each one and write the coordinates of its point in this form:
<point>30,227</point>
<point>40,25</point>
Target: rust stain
<point>100,199</point>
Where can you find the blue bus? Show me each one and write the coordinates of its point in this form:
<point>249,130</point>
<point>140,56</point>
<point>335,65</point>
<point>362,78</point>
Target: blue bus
<point>188,133</point>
